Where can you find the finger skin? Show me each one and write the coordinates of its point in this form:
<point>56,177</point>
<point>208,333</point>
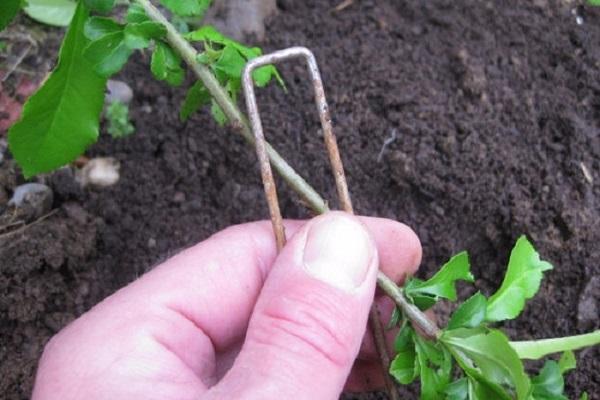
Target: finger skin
<point>194,307</point>
<point>305,333</point>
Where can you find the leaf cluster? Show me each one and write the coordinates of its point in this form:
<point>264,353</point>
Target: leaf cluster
<point>471,360</point>
<point>226,58</point>
<point>117,119</point>
<point>62,118</point>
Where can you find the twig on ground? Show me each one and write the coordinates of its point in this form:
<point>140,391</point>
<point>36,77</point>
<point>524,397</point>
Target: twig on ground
<point>343,5</point>
<point>23,228</point>
<point>389,140</point>
<point>17,62</point>
<point>586,173</point>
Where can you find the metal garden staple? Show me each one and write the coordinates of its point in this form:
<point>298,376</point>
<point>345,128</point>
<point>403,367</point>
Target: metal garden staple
<point>334,159</point>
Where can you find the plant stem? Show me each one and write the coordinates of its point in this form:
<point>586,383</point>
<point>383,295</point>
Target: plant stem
<point>231,110</point>
<point>412,312</point>
<point>536,349</point>
<point>296,182</point>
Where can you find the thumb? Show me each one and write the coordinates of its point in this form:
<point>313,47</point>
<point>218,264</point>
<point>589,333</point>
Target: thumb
<point>309,321</point>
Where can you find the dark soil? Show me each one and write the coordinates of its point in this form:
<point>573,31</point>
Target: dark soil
<point>496,107</point>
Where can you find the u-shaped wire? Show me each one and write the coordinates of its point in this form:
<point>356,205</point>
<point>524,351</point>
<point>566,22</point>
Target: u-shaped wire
<point>334,159</point>
<point>260,143</point>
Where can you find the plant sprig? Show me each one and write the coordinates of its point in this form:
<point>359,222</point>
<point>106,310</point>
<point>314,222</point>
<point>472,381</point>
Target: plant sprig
<point>62,118</point>
<point>471,360</point>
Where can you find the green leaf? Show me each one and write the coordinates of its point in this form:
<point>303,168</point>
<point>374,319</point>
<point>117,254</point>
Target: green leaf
<point>136,14</point>
<point>487,357</point>
<point>549,384</point>
<point>51,12</point>
<point>103,6</point>
<point>108,54</point>
<point>61,119</point>
<point>166,65</point>
<point>404,339</point>
<point>470,314</point>
<point>394,318</point>
<point>8,11</point>
<point>138,35</point>
<point>231,63</point>
<point>218,113</point>
<point>97,27</point>
<point>117,117</point>
<point>457,390</point>
<point>404,368</point>
<point>594,2</point>
<point>442,284</point>
<point>567,362</point>
<point>435,366</point>
<point>196,96</point>
<point>584,395</point>
<point>521,282</point>
<point>262,76</point>
<point>186,8</point>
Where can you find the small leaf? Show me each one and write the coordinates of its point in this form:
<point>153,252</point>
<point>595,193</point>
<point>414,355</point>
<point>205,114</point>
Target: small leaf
<point>97,27</point>
<point>117,117</point>
<point>549,384</point>
<point>442,284</point>
<point>567,361</point>
<point>61,119</point>
<point>263,75</point>
<point>207,33</point>
<point>470,314</point>
<point>487,357</point>
<point>102,6</point>
<point>404,339</point>
<point>166,65</point>
<point>185,8</point>
<point>196,96</point>
<point>230,63</point>
<point>521,282</point>
<point>394,318</point>
<point>594,2</point>
<point>138,35</point>
<point>403,368</point>
<point>584,395</point>
<point>8,11</point>
<point>435,366</point>
<point>51,12</point>
<point>218,113</point>
<point>108,54</point>
<point>457,390</point>
<point>136,14</point>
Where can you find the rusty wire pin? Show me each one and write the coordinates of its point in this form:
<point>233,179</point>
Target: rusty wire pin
<point>334,159</point>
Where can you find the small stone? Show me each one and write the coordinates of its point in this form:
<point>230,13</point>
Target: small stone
<point>179,197</point>
<point>100,172</point>
<point>118,91</point>
<point>151,243</point>
<point>31,200</point>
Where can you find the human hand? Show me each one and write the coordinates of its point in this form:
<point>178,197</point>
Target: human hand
<point>231,319</point>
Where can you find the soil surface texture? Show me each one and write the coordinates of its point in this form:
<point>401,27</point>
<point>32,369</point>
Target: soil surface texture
<point>492,111</point>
